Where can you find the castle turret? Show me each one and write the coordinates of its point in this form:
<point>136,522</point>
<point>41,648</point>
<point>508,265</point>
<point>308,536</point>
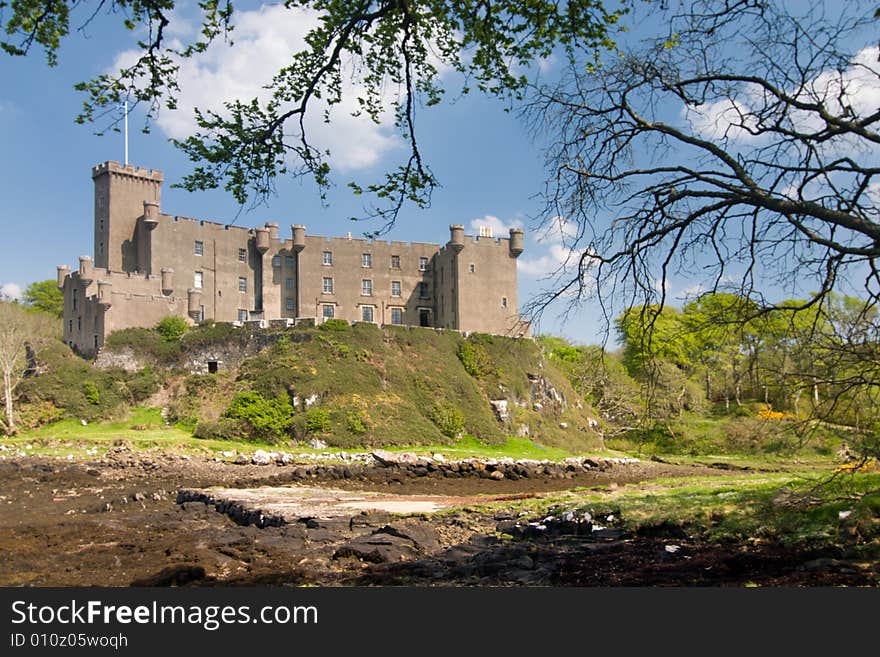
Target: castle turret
<point>273,230</point>
<point>105,289</point>
<point>516,242</point>
<point>167,280</point>
<point>151,214</point>
<point>194,302</point>
<point>299,237</point>
<point>262,239</point>
<point>456,237</point>
<point>85,270</point>
<point>63,273</point>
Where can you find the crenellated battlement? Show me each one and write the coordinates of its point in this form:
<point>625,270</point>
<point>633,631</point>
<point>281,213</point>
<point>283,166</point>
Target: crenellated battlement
<point>112,166</point>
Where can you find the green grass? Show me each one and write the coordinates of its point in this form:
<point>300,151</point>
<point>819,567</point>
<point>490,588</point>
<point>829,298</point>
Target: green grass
<point>516,448</point>
<point>144,428</point>
<point>745,508</point>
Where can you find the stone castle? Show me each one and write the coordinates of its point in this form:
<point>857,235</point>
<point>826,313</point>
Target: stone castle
<point>148,265</point>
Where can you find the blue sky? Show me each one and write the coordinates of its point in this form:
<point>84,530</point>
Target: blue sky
<point>489,167</point>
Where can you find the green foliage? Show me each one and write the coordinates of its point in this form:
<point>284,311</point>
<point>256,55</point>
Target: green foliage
<point>91,392</point>
<point>172,328</point>
<point>339,325</point>
<point>355,422</point>
<point>45,296</point>
<point>318,421</point>
<point>223,428</point>
<point>267,419</point>
<point>448,419</point>
<point>475,359</point>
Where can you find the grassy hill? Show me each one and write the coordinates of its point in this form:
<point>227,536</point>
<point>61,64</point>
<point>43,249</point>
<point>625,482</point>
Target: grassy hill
<point>349,386</point>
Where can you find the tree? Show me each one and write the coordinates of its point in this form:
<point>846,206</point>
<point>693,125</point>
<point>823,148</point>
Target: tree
<point>394,50</point>
<point>736,150</point>
<point>45,296</point>
<point>20,328</point>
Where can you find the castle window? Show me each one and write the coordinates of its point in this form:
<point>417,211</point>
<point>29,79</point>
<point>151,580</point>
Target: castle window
<point>288,283</point>
<point>366,287</point>
<point>395,262</point>
<point>288,303</point>
<point>96,341</point>
<point>200,317</point>
<point>367,313</point>
<point>423,290</point>
<point>327,258</point>
<point>327,312</point>
<point>100,248</point>
<point>242,255</point>
<point>395,288</point>
<point>366,260</point>
<point>328,285</point>
<point>70,326</point>
<point>397,315</point>
<point>74,298</point>
<point>242,315</point>
<point>288,261</point>
<point>423,263</point>
<point>472,268</point>
<point>276,261</point>
<point>79,323</point>
<point>199,248</point>
<point>198,279</point>
<point>504,302</point>
<point>101,225</point>
<point>242,284</point>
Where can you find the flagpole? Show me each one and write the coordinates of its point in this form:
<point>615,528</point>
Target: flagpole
<point>126,131</point>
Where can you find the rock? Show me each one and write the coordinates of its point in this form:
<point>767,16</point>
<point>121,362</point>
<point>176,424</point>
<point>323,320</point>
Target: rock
<point>843,515</point>
<point>593,424</point>
<point>310,401</point>
<point>538,407</point>
<point>563,425</point>
<point>173,576</point>
<point>241,459</point>
<point>422,535</point>
<point>672,549</point>
<point>261,457</point>
<point>523,431</point>
<point>379,548</point>
<point>317,443</point>
<point>386,459</point>
<point>500,408</point>
<point>497,475</point>
<point>439,458</point>
<point>83,422</point>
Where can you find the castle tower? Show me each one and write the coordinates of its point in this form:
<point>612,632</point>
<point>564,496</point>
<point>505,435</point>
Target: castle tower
<point>123,194</point>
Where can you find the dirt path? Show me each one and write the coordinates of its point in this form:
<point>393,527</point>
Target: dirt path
<point>118,522</point>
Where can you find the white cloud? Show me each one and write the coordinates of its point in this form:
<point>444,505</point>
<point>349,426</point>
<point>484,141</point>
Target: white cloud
<point>264,42</point>
<point>855,89</point>
<point>498,226</point>
<point>557,241</point>
<point>10,291</point>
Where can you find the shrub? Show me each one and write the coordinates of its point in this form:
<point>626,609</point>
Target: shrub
<point>335,325</point>
<point>449,420</point>
<point>172,328</point>
<point>354,422</point>
<point>222,429</point>
<point>318,421</point>
<point>268,419</point>
<point>475,359</point>
<point>91,392</point>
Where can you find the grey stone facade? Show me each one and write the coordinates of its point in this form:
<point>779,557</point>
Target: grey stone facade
<point>148,264</point>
